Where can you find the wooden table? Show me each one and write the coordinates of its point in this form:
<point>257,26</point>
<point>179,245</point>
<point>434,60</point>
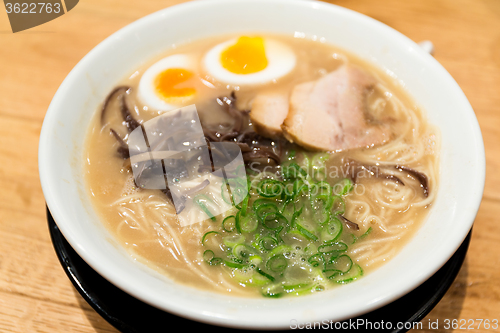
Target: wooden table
<point>36,295</point>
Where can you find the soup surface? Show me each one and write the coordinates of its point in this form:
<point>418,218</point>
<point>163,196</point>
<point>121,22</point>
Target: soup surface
<point>305,217</point>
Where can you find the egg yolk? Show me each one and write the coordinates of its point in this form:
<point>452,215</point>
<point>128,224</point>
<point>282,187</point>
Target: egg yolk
<point>166,82</point>
<point>247,56</point>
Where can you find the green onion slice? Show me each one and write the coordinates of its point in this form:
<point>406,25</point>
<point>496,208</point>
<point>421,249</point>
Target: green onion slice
<point>293,171</point>
<point>340,265</point>
<point>208,254</point>
<point>273,291</point>
<point>202,200</point>
<point>277,233</point>
<point>233,264</point>
<point>300,288</point>
<point>209,257</point>
<point>282,249</point>
<point>333,247</point>
<point>317,259</point>
<point>229,223</point>
<point>288,209</point>
<point>299,187</point>
<point>332,231</point>
<point>320,159</point>
<point>320,214</point>
<point>354,273</point>
<point>318,166</point>
<point>224,193</point>
<point>321,201</point>
<point>237,222</point>
<point>265,208</point>
<point>306,233</point>
<point>338,205</point>
<point>277,263</point>
<point>204,237</point>
<point>321,189</point>
<point>244,205</point>
<point>233,240</point>
<point>367,232</point>
<point>292,287</point>
<point>274,220</point>
<point>295,215</point>
<point>268,243</point>
<point>248,223</point>
<point>257,203</point>
<point>343,187</point>
<point>215,261</point>
<point>288,192</point>
<point>270,188</point>
<point>261,272</point>
<point>355,239</point>
<point>243,252</point>
<point>255,259</point>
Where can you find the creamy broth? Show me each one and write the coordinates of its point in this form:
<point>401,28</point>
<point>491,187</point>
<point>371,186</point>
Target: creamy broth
<point>388,213</point>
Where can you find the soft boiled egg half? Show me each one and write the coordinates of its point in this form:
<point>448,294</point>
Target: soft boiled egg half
<point>248,61</point>
<point>170,83</point>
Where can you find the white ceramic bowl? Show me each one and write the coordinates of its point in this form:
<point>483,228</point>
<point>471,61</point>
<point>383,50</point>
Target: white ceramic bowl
<point>451,217</point>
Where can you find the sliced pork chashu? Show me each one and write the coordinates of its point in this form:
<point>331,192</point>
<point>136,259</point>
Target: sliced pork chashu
<point>269,110</point>
<point>330,113</point>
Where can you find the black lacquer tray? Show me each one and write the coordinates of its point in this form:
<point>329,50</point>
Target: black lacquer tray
<point>128,314</point>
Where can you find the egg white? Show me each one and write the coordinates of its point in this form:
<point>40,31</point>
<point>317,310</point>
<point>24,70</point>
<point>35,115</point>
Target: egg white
<point>147,90</point>
<point>281,61</point>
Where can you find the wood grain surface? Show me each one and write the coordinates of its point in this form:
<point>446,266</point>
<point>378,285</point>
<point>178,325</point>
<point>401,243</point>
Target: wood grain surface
<point>36,295</point>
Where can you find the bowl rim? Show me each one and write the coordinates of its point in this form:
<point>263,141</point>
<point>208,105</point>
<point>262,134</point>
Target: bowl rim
<point>56,207</point>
